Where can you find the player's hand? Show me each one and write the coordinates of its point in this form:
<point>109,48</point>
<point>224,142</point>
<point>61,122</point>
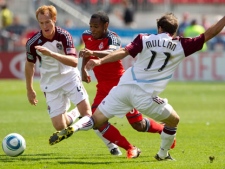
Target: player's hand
<point>85,77</point>
<point>85,53</point>
<point>92,63</point>
<point>45,51</point>
<point>31,95</point>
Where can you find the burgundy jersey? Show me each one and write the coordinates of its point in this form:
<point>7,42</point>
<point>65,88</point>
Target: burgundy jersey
<point>110,71</point>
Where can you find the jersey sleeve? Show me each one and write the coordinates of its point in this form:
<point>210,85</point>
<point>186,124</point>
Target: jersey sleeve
<point>192,45</point>
<point>68,45</point>
<point>135,46</point>
<point>114,42</point>
<point>30,52</point>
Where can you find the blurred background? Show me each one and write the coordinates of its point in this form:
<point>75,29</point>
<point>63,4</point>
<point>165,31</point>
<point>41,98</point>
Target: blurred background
<point>127,19</point>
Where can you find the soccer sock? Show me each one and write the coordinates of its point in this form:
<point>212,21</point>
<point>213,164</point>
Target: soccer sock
<point>109,144</point>
<point>167,137</point>
<point>112,134</point>
<point>73,115</point>
<point>152,126</point>
<point>85,123</point>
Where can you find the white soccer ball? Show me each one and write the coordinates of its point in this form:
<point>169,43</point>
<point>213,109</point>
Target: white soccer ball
<point>13,144</point>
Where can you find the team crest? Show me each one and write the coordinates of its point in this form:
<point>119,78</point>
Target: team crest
<point>101,46</point>
<point>59,46</point>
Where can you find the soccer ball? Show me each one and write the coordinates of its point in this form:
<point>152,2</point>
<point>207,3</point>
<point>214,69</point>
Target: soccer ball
<point>13,144</point>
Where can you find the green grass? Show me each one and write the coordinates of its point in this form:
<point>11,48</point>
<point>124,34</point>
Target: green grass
<point>201,132</point>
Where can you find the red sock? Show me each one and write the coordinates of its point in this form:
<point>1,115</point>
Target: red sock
<point>154,126</point>
<point>112,134</point>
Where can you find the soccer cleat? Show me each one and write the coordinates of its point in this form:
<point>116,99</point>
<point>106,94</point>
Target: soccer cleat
<point>61,135</point>
<point>133,152</point>
<point>116,152</point>
<point>167,158</point>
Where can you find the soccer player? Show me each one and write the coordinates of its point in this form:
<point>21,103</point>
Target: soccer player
<point>60,78</point>
<point>158,56</point>
<point>100,41</point>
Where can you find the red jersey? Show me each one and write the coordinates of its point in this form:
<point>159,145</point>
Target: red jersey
<point>109,71</point>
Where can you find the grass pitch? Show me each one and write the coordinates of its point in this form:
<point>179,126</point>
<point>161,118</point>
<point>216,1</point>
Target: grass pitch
<point>201,132</point>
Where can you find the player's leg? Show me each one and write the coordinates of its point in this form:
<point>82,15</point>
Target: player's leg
<point>160,110</point>
<point>169,132</point>
<point>97,121</point>
<point>113,148</point>
<point>143,124</point>
<point>117,105</point>
<point>57,106</point>
<point>102,91</point>
<point>73,115</point>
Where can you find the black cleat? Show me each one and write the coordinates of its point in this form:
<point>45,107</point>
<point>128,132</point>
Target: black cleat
<point>168,158</point>
<point>61,135</point>
<point>116,152</point>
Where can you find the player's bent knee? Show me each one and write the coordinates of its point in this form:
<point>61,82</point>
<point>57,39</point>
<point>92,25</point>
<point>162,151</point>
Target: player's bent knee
<point>139,126</point>
<point>173,119</point>
<point>99,118</point>
<point>59,127</point>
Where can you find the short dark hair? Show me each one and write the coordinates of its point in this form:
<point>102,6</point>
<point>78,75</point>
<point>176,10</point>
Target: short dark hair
<point>102,15</point>
<point>168,23</point>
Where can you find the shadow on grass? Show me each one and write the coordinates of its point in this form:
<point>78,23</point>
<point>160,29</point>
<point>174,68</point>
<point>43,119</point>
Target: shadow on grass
<point>74,159</point>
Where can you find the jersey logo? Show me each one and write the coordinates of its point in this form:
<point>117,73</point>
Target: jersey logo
<point>101,46</point>
<point>59,46</point>
<point>39,41</point>
<point>90,39</point>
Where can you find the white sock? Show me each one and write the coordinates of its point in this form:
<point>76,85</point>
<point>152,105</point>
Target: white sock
<point>73,115</point>
<point>167,141</point>
<point>109,144</point>
<point>85,123</point>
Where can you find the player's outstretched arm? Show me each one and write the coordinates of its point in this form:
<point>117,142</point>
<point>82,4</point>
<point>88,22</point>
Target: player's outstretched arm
<point>115,56</point>
<point>112,57</point>
<point>214,29</point>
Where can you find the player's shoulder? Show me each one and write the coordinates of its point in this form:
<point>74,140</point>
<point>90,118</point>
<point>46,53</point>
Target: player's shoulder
<point>87,32</point>
<point>86,35</point>
<point>112,34</point>
<point>62,31</point>
<point>33,40</point>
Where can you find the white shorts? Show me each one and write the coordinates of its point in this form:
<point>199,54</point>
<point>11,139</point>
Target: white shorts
<point>58,101</point>
<point>124,98</point>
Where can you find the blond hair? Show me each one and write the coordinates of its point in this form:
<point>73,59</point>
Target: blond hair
<point>46,9</point>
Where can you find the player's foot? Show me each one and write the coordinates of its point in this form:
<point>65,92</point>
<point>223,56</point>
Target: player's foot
<point>174,144</point>
<point>133,152</point>
<point>116,152</point>
<point>168,158</point>
<point>61,135</point>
